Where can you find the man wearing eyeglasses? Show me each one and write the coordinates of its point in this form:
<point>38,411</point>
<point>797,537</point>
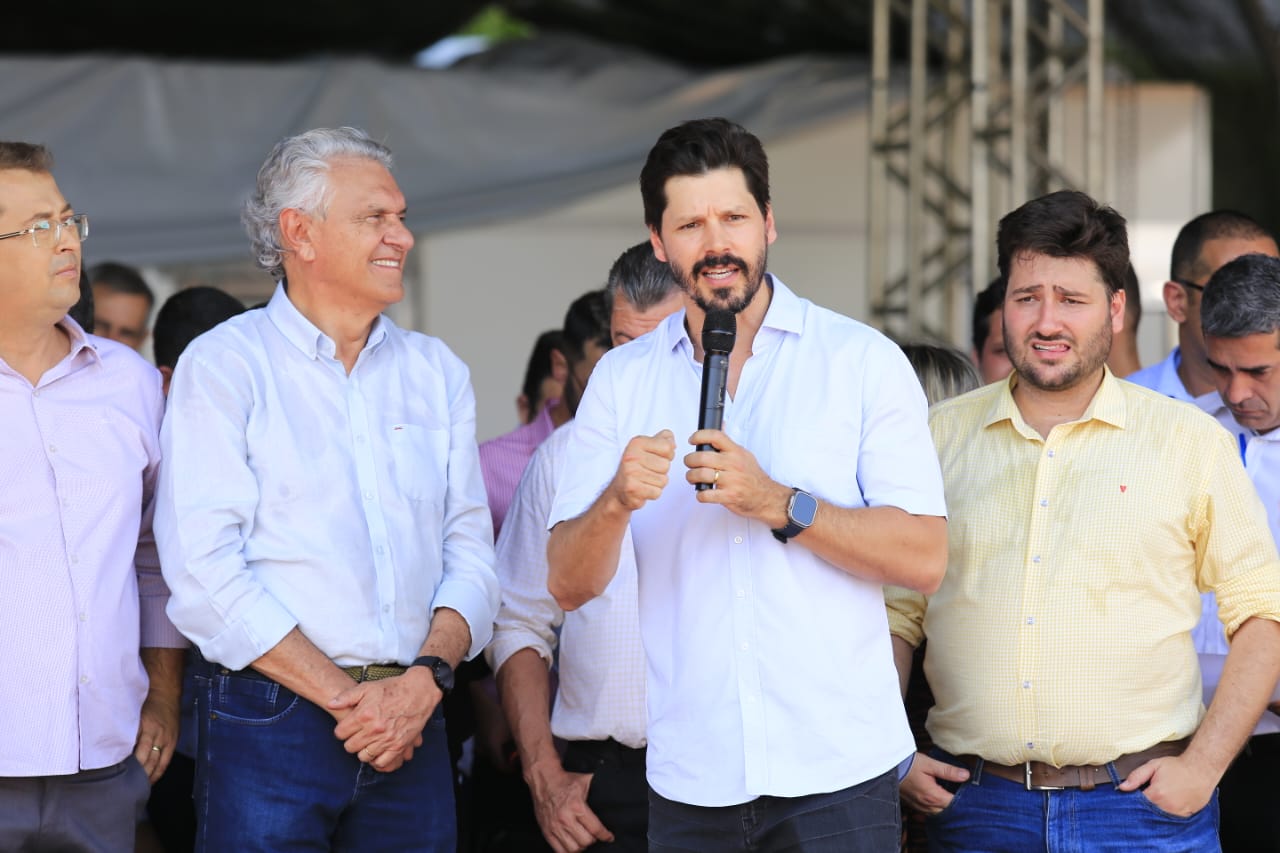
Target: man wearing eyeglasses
<point>89,665</point>
<point>1204,244</point>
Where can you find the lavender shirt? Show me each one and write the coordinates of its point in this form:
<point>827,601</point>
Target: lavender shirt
<point>82,589</point>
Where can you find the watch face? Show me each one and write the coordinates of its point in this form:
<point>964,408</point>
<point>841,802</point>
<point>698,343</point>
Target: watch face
<point>444,675</point>
<point>803,509</point>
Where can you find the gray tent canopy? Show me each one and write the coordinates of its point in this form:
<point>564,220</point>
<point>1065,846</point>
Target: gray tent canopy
<point>161,153</point>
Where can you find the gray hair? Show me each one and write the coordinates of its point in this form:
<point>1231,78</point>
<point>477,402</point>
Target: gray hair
<point>295,175</point>
<point>642,279</point>
<point>1242,298</point>
<point>943,371</point>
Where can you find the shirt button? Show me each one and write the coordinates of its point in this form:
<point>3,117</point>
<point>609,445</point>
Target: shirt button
<point>368,496</point>
<point>1036,558</point>
<point>75,560</point>
<point>1044,502</point>
<point>84,679</point>
<point>742,593</point>
<point>1031,620</point>
<point>53,448</point>
<point>1050,454</point>
<point>386,608</point>
<point>380,549</point>
<point>1030,745</point>
<point>84,617</point>
<point>744,646</point>
<point>1026,685</point>
<point>737,540</point>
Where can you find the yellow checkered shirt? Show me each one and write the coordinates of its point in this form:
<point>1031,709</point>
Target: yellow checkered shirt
<point>1062,630</point>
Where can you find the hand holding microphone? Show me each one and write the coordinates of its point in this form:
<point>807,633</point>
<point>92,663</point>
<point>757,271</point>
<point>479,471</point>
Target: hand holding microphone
<point>719,328</point>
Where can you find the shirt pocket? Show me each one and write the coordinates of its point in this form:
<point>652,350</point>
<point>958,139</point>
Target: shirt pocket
<point>420,462</point>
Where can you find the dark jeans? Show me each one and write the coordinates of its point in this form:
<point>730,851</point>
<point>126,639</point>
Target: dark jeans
<point>618,794</point>
<point>93,811</point>
<point>995,815</point>
<point>861,819</point>
<point>271,776</point>
<point>1249,798</point>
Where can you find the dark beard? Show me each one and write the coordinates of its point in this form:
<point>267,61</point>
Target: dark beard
<point>722,297</point>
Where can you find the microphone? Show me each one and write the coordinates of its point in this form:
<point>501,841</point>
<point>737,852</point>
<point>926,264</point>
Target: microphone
<point>718,331</point>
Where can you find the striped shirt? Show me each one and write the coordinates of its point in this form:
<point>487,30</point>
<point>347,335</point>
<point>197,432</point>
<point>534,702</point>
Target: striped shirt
<point>82,584</point>
<point>503,460</point>
<point>601,662</point>
<point>1062,630</point>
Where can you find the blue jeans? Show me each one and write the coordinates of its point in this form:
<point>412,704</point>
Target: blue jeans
<point>271,776</point>
<point>864,818</point>
<point>995,815</point>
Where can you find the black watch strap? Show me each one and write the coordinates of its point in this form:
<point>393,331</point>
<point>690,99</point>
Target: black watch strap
<point>800,513</point>
<point>441,671</point>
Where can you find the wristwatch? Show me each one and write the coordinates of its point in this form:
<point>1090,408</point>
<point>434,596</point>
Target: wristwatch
<point>801,510</point>
<point>440,671</point>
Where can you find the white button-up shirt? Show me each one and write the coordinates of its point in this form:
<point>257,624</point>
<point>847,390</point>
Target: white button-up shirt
<point>601,661</point>
<point>769,670</point>
<point>82,585</point>
<point>295,495</point>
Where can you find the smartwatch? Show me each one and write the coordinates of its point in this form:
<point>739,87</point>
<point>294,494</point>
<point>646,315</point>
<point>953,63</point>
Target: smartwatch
<point>801,510</point>
<point>440,671</point>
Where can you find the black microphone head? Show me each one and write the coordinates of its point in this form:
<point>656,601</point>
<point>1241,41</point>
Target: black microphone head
<point>718,331</point>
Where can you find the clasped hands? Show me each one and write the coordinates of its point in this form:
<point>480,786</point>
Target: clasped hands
<point>381,722</point>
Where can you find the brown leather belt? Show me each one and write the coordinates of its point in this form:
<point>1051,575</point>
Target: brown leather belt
<point>368,672</point>
<point>1038,776</point>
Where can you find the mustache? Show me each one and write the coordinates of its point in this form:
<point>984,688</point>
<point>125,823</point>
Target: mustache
<point>724,260</point>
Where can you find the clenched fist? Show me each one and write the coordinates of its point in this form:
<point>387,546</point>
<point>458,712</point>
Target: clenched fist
<point>642,472</point>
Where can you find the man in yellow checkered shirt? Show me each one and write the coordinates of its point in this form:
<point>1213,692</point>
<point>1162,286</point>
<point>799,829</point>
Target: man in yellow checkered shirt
<point>1086,514</point>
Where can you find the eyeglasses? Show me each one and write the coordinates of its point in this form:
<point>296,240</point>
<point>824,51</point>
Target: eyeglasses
<point>45,233</point>
<point>1192,285</point>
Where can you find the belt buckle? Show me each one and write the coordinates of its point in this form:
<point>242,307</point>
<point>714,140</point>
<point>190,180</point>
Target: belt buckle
<point>1026,776</point>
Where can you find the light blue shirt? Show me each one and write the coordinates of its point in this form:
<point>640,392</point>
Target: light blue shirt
<point>292,494</point>
<point>769,671</point>
<point>1163,377</point>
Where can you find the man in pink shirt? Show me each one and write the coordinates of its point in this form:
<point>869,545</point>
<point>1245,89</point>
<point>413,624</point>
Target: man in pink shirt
<point>89,664</point>
<point>584,339</point>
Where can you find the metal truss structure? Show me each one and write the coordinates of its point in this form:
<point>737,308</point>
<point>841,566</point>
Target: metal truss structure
<point>983,127</point>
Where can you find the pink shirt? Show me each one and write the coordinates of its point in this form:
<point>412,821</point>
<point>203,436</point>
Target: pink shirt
<point>503,460</point>
<point>81,589</point>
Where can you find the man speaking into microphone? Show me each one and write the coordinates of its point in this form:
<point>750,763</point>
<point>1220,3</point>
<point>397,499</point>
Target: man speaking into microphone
<point>774,719</point>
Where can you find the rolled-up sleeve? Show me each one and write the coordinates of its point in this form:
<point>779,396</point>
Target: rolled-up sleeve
<point>528,616</point>
<point>469,585</point>
<point>1235,551</point>
<point>205,503</point>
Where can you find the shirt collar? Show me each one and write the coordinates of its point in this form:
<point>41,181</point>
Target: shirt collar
<point>80,340</point>
<point>785,314</point>
<point>305,335</point>
<point>1108,405</point>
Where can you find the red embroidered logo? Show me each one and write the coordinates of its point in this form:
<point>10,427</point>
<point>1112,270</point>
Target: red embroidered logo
<point>1122,488</point>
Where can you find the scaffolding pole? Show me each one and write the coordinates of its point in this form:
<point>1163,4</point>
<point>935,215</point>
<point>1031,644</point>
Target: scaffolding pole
<point>977,129</point>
